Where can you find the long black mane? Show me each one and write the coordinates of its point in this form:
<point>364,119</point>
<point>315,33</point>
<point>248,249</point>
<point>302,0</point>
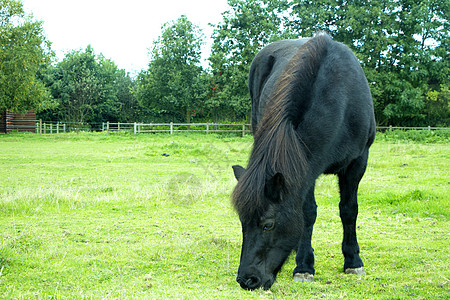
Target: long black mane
<point>278,147</point>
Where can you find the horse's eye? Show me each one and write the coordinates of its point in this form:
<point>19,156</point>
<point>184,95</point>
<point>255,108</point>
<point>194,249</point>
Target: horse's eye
<point>268,225</point>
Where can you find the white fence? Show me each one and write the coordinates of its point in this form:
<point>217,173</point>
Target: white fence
<point>384,128</point>
<point>135,128</point>
<point>41,127</point>
<point>177,127</point>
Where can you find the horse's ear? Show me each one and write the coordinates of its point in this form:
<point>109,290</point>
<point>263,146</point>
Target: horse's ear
<point>238,171</point>
<point>274,187</point>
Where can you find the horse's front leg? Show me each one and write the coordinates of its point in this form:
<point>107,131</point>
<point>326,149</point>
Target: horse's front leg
<point>304,272</point>
<point>348,183</point>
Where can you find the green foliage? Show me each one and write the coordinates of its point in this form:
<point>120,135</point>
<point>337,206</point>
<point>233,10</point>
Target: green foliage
<point>24,50</point>
<point>173,84</point>
<point>245,29</point>
<point>88,88</point>
<point>130,109</point>
<point>419,136</point>
<point>402,46</point>
<point>438,105</point>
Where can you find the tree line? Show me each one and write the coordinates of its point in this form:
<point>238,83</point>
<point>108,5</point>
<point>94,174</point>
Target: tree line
<point>403,46</point>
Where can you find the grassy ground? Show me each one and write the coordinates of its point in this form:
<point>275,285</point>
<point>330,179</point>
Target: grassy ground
<point>109,217</point>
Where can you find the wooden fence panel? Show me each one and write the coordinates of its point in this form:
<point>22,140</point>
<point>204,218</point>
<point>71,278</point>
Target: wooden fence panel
<point>10,121</point>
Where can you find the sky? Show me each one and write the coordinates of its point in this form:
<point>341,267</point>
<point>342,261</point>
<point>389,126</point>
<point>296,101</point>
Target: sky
<point>122,31</point>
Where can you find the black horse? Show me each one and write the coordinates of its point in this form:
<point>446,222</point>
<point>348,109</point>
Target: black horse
<point>312,113</point>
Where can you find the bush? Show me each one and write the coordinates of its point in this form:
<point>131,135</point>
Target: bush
<point>421,136</point>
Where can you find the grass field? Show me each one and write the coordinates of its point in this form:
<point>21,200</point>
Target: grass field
<point>109,217</point>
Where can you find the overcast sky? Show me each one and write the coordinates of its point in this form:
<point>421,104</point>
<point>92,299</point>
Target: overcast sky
<point>121,30</point>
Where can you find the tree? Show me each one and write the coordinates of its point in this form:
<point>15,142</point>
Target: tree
<point>438,106</point>
<point>24,51</point>
<point>172,85</point>
<point>245,29</point>
<point>402,45</point>
<point>131,110</point>
<point>86,88</point>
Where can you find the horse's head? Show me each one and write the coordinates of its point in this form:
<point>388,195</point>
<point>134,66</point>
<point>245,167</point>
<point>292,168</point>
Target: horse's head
<point>271,229</point>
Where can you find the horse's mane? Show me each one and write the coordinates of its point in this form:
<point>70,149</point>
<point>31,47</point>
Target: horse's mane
<point>278,147</point>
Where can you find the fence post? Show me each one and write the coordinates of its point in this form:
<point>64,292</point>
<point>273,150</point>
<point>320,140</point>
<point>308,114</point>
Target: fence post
<point>390,127</point>
<point>429,127</point>
<point>243,129</point>
<point>57,127</point>
<point>40,126</point>
<point>135,127</point>
<point>171,127</point>
<point>207,128</point>
<point>64,127</point>
<point>107,127</point>
<point>103,126</point>
<point>118,126</point>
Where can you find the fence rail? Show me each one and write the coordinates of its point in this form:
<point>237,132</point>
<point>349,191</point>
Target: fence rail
<point>410,128</point>
<point>43,127</point>
<point>177,127</point>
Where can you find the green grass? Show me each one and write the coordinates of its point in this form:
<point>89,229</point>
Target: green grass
<point>108,217</point>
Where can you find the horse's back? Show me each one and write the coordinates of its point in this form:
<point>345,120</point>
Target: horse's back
<point>336,121</point>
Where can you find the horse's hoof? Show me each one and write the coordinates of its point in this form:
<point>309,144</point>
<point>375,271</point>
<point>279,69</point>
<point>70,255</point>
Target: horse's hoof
<point>357,271</point>
<point>303,277</point>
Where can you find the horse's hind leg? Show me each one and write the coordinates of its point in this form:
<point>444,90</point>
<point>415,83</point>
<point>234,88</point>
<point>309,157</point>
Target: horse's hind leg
<point>304,272</point>
<point>348,183</point>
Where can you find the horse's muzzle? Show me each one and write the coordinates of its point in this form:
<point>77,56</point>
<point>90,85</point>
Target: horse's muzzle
<point>249,283</point>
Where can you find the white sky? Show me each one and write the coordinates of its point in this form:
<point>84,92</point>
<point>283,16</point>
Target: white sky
<point>121,30</point>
